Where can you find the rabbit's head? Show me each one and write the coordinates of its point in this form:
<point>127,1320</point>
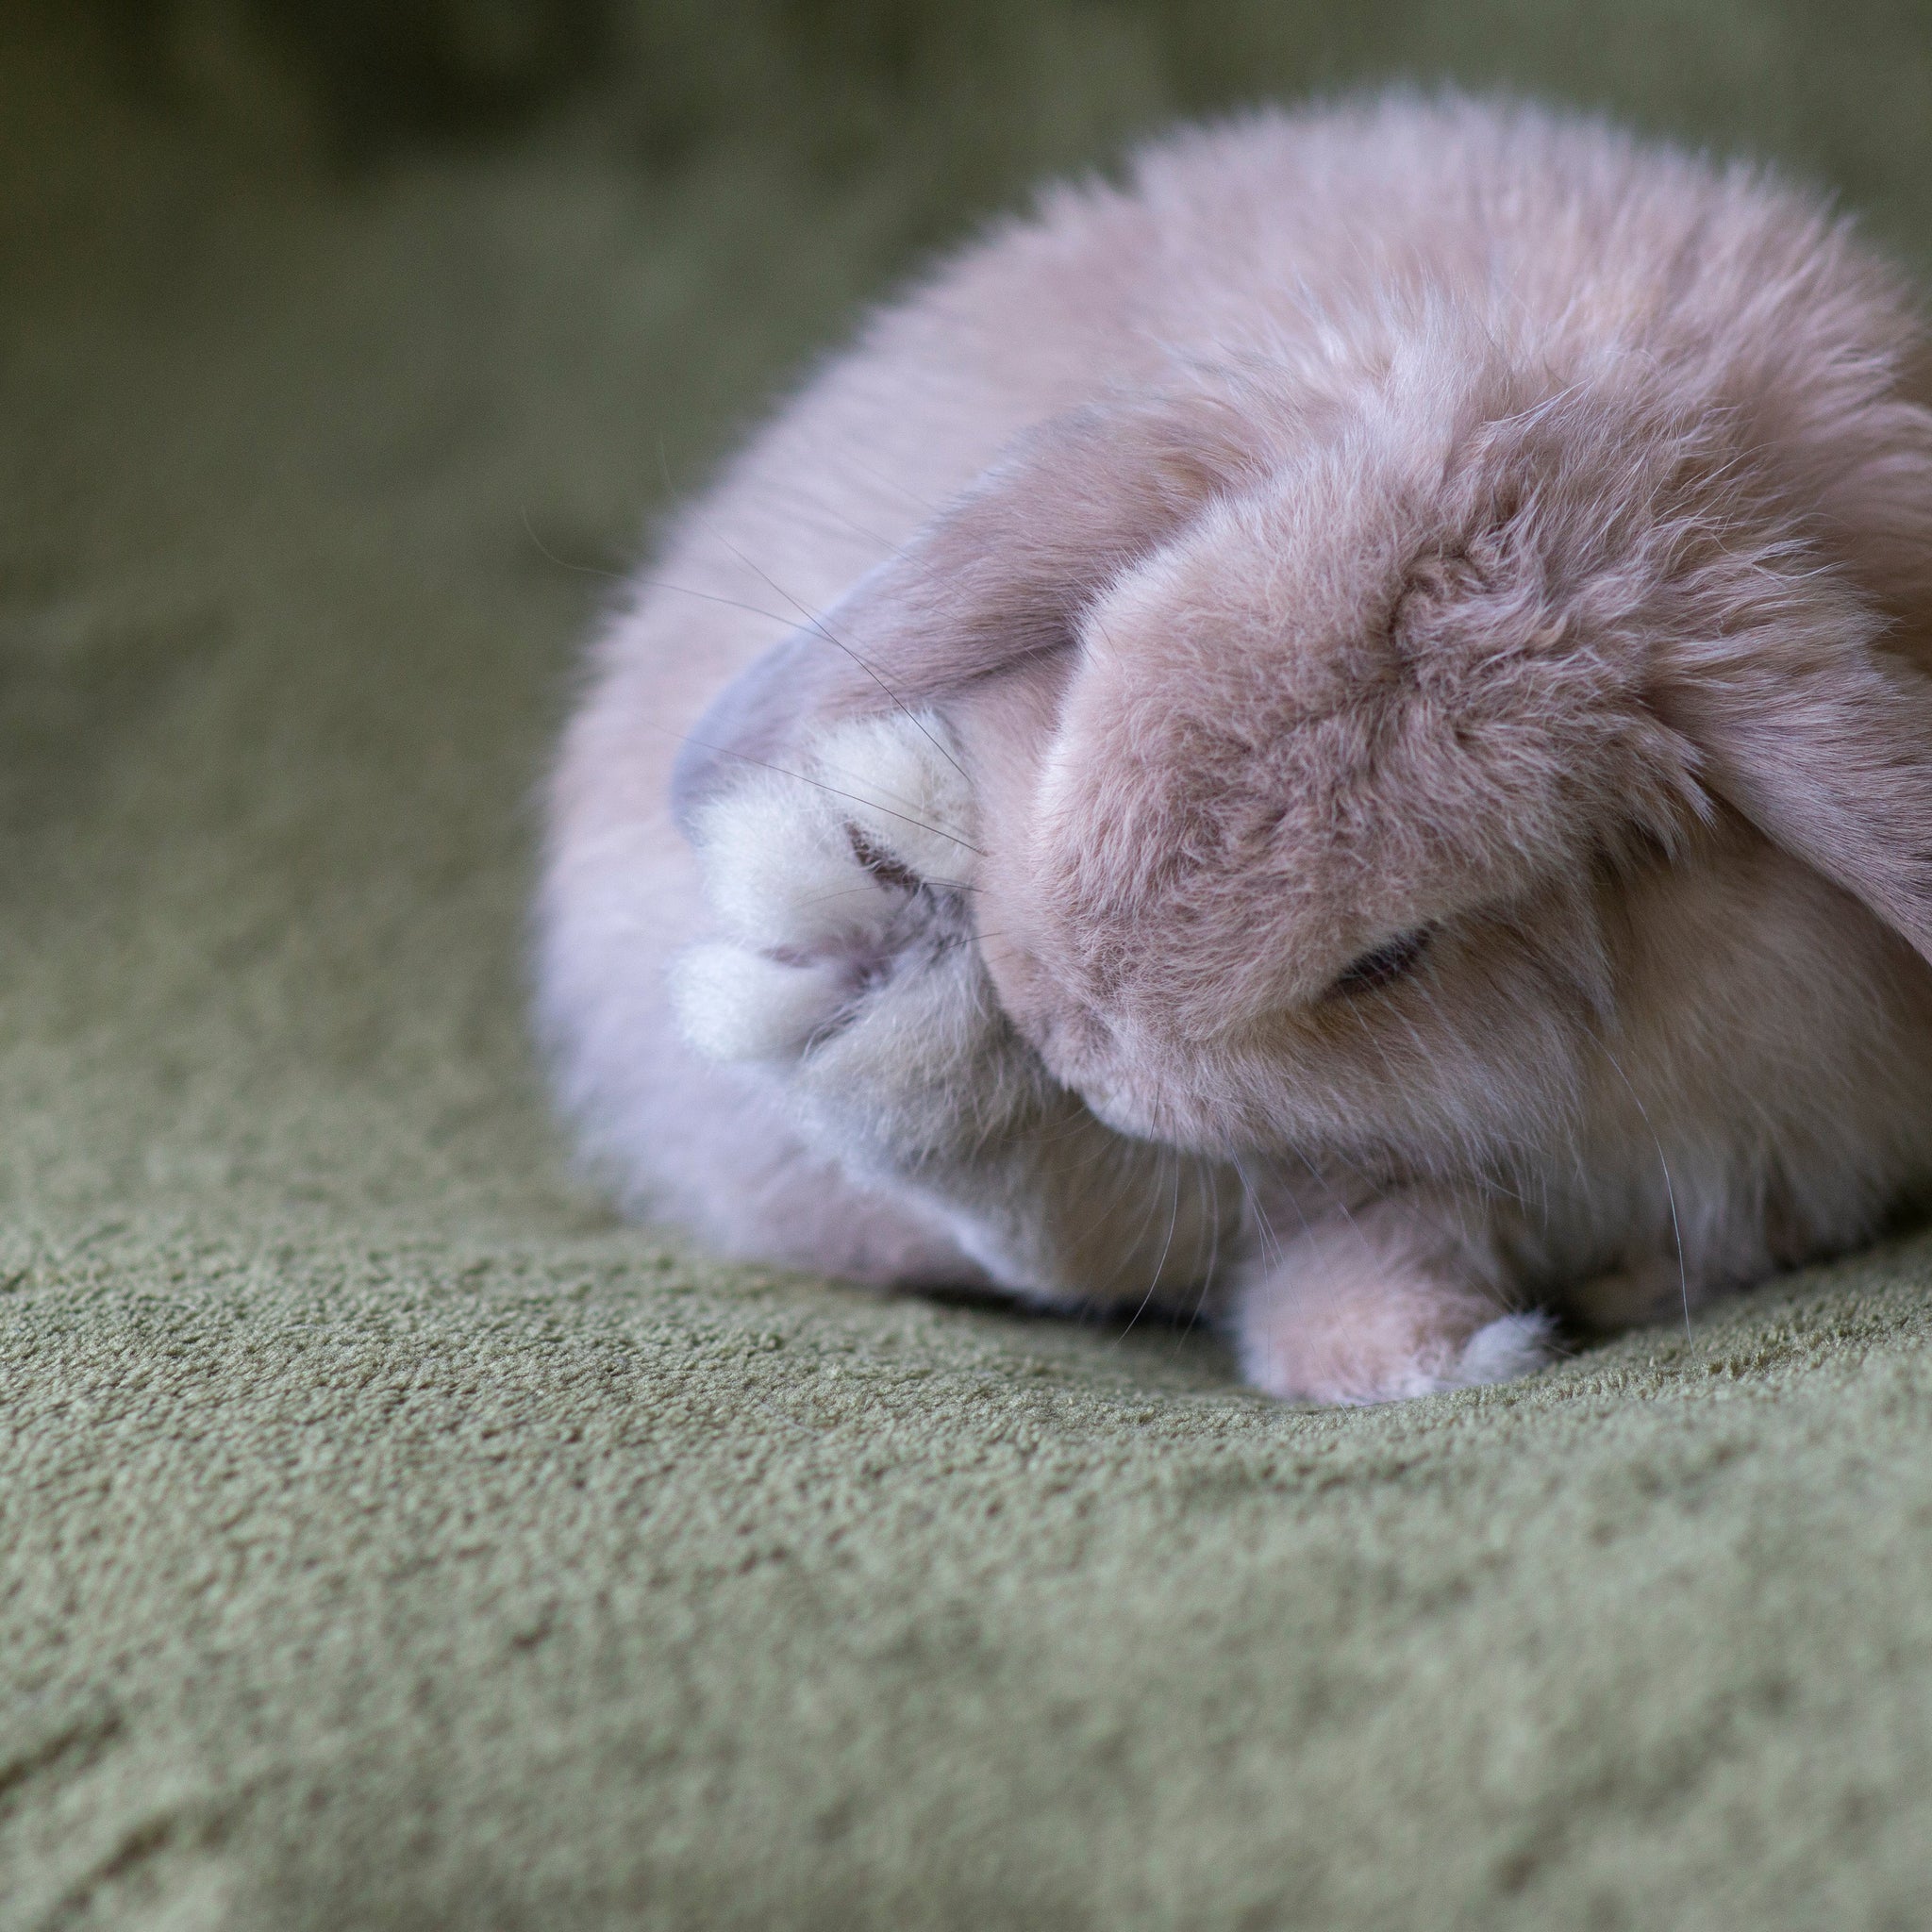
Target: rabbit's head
<point>1339,764</point>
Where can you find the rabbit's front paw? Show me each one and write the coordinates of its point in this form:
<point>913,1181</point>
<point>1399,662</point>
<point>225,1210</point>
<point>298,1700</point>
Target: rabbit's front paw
<point>848,965</point>
<point>1395,1300</point>
<point>850,972</point>
<point>1387,1354</point>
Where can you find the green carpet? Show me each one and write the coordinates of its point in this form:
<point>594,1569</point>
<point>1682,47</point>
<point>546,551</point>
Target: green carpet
<point>390,1539</point>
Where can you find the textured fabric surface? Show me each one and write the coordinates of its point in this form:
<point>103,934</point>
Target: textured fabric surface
<point>387,1536</point>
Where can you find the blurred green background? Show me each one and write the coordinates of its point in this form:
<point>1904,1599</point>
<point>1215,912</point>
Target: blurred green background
<point>390,1538</point>
<point>962,103</point>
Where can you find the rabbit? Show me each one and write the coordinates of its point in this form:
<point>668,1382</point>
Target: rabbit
<point>1331,736</point>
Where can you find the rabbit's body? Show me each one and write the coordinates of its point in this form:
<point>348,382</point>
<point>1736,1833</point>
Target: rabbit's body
<point>1333,735</point>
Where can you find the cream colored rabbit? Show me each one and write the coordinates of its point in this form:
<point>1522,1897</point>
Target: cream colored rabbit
<point>1335,734</point>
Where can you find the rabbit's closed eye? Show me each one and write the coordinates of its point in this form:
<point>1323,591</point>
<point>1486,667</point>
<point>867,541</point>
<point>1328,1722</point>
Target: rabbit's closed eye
<point>1387,961</point>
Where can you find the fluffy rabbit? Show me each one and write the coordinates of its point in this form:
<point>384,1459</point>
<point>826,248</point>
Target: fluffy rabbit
<point>1335,735</point>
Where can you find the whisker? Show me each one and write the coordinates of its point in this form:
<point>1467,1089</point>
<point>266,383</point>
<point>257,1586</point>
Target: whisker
<point>728,751</point>
<point>906,490</point>
<point>801,512</point>
<point>1207,1177</point>
<point>1173,1215</point>
<point>1337,1200</point>
<point>707,597</point>
<point>1266,1227</point>
<point>861,778</point>
<point>588,570</point>
<point>1670,1189</point>
<point>815,620</point>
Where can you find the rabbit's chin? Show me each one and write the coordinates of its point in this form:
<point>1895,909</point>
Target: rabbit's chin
<point>1211,1127</point>
<point>1260,1110</point>
<point>1168,1113</point>
<point>1218,1100</point>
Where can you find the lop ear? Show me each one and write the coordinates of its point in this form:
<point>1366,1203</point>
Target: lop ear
<point>998,577</point>
<point>1824,743</point>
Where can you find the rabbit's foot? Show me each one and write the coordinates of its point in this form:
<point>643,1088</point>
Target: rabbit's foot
<point>848,964</point>
<point>1379,1309</point>
<point>849,970</point>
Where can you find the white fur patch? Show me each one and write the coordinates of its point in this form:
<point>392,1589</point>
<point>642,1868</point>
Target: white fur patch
<point>736,1004</point>
<point>779,869</point>
<point>905,790</point>
<point>1510,1346</point>
<point>808,918</point>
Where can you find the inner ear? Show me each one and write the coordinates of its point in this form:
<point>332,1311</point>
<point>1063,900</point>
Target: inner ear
<point>998,578</point>
<point>1828,751</point>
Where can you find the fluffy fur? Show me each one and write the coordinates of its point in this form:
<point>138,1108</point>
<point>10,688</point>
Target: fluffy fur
<point>1336,733</point>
